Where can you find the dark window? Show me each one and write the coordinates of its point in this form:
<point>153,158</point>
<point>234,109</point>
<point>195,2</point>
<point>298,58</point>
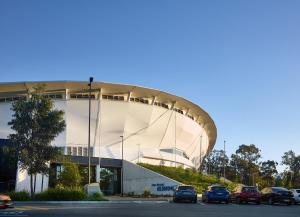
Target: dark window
<point>183,188</point>
<point>250,189</point>
<point>69,151</point>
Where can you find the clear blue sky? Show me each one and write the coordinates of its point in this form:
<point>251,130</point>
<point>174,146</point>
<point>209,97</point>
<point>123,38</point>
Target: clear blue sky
<point>239,60</point>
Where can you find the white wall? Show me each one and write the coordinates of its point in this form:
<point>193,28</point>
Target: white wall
<point>146,129</point>
<point>137,179</point>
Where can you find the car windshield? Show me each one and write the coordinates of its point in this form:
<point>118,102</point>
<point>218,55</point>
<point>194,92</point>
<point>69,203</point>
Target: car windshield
<point>218,188</point>
<point>183,188</point>
<point>250,189</point>
<point>277,190</point>
<point>298,191</point>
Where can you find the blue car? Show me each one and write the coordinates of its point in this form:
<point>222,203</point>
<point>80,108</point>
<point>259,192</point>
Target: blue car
<point>216,193</point>
<point>185,193</point>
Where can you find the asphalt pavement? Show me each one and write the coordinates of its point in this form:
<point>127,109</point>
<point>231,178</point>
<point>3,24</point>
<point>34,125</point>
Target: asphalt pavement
<point>151,208</point>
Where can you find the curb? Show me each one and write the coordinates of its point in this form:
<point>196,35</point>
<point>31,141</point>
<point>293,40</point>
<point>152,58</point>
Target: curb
<point>91,202</point>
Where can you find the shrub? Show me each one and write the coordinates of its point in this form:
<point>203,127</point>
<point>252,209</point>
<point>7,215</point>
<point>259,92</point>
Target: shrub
<point>70,176</point>
<point>189,177</point>
<point>146,193</point>
<point>96,197</point>
<point>61,194</point>
<point>19,195</point>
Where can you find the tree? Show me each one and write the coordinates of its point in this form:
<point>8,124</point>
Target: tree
<point>268,173</point>
<point>70,175</point>
<point>291,175</point>
<point>215,161</point>
<point>36,123</point>
<point>245,162</point>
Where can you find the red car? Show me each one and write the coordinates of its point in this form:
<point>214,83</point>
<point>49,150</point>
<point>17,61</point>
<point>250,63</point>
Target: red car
<point>5,201</point>
<point>246,194</point>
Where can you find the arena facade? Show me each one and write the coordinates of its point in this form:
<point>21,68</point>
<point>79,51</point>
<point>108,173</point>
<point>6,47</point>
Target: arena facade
<point>157,127</point>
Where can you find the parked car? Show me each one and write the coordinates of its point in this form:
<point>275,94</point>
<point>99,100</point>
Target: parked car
<point>245,194</point>
<point>216,193</point>
<point>296,195</point>
<point>273,195</point>
<point>185,192</point>
<point>5,201</point>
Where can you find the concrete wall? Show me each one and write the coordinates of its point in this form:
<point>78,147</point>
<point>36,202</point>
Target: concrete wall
<point>137,179</point>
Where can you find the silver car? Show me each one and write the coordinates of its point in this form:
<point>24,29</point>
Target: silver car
<point>296,195</point>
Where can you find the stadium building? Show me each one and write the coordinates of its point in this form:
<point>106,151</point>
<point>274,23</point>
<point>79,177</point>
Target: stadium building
<point>156,127</point>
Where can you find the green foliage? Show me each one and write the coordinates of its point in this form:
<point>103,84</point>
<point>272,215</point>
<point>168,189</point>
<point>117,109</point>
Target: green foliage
<point>19,195</point>
<point>61,194</point>
<point>268,173</point>
<point>291,175</point>
<point>96,197</point>
<point>189,177</point>
<point>35,124</point>
<point>70,176</point>
<point>146,193</point>
<point>214,162</point>
<point>245,164</point>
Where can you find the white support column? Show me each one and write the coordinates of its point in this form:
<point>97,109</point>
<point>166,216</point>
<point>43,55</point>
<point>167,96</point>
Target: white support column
<point>173,105</point>
<point>187,111</point>
<point>153,100</point>
<point>98,169</point>
<point>100,94</point>
<point>67,95</point>
<point>128,96</point>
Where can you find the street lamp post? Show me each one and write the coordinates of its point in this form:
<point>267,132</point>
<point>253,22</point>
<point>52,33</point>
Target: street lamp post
<point>224,159</point>
<point>200,155</point>
<point>122,189</point>
<point>89,133</point>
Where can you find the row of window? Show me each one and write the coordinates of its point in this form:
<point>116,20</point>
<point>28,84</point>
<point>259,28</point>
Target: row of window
<point>81,96</point>
<point>10,99</point>
<point>177,151</point>
<point>178,110</point>
<point>108,97</point>
<point>79,151</point>
<point>54,96</point>
<point>161,105</point>
<point>111,97</point>
<point>145,101</point>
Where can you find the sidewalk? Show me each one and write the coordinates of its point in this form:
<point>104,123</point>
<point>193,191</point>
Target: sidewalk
<point>119,198</point>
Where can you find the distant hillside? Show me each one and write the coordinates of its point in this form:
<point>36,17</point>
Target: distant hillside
<point>189,177</point>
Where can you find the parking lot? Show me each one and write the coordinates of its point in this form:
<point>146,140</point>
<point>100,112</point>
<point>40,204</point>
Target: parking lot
<point>152,208</point>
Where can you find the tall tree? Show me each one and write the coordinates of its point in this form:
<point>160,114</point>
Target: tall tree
<point>245,162</point>
<point>36,123</point>
<point>214,162</point>
<point>291,175</point>
<point>268,173</point>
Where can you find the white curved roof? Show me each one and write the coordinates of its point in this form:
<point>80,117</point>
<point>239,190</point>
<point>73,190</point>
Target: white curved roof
<point>202,117</point>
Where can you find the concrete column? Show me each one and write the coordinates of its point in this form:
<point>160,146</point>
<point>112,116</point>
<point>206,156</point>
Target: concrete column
<point>98,173</point>
<point>128,96</point>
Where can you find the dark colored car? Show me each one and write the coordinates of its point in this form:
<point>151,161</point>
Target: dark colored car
<point>245,194</point>
<point>273,195</point>
<point>216,193</point>
<point>5,201</point>
<point>185,192</point>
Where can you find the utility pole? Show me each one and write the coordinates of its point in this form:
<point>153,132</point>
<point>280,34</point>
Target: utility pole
<point>200,155</point>
<point>89,133</point>
<point>224,159</point>
<point>122,169</point>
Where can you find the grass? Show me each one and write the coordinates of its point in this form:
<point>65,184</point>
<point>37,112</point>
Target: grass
<point>189,177</point>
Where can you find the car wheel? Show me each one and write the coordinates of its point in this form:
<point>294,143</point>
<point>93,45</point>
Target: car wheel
<point>207,200</point>
<point>258,202</point>
<point>238,200</point>
<point>226,201</point>
<point>270,201</point>
<point>174,200</point>
<point>195,201</point>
